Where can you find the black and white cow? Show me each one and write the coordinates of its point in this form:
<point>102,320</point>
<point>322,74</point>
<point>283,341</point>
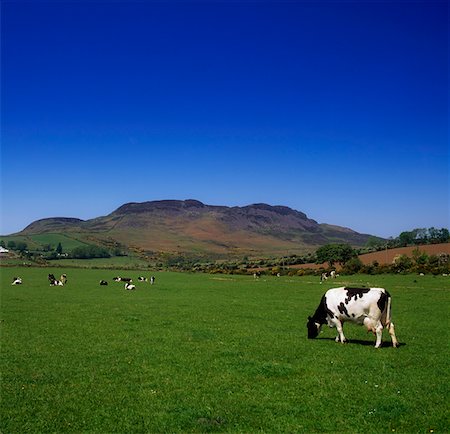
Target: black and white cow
<point>142,279</point>
<point>129,286</point>
<point>370,307</point>
<point>53,281</point>
<point>152,280</point>
<point>126,279</point>
<point>16,281</point>
<point>103,282</point>
<point>122,279</point>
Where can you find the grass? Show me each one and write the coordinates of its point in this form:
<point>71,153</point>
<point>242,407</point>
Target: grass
<point>203,353</point>
<point>36,241</point>
<point>112,262</point>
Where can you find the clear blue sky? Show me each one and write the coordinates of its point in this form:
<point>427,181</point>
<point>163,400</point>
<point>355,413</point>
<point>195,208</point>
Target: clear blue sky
<point>336,109</point>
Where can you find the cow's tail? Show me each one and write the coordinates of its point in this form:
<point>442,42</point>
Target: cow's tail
<point>386,314</point>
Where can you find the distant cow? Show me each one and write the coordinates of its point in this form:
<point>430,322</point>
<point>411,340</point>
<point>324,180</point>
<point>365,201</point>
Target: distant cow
<point>323,276</point>
<point>364,306</point>
<point>122,279</point>
<point>63,278</point>
<point>16,281</point>
<point>129,286</point>
<point>152,280</point>
<point>103,282</point>
<point>142,279</point>
<point>53,281</point>
<point>333,274</point>
<point>126,279</point>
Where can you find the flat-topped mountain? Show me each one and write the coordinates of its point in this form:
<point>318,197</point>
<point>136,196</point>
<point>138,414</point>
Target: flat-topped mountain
<point>190,226</point>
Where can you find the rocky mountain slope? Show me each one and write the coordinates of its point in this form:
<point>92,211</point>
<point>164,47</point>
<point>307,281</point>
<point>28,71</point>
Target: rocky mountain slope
<point>190,226</point>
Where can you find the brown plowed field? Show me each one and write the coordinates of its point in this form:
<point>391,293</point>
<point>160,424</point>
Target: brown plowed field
<point>387,256</point>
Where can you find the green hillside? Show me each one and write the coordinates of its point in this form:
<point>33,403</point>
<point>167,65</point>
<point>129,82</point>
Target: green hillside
<point>191,227</point>
<point>36,242</point>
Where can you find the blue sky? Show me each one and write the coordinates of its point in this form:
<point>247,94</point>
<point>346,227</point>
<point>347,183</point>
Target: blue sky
<point>336,109</point>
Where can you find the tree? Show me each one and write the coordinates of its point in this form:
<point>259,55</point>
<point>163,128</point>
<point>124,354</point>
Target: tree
<point>21,246</point>
<point>333,253</point>
<point>59,248</point>
<point>375,242</point>
<point>87,252</point>
<point>11,245</point>
<point>406,238</point>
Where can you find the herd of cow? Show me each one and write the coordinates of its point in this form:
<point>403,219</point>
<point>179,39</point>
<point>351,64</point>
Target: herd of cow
<point>370,307</point>
<point>63,280</point>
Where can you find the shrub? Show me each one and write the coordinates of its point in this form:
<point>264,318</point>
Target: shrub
<point>352,266</point>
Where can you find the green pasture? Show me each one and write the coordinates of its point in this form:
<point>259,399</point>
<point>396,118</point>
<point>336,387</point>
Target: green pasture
<point>208,353</point>
<point>112,262</point>
<point>36,241</point>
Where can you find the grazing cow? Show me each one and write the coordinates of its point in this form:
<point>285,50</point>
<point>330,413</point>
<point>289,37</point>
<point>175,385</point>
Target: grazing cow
<point>364,306</point>
<point>129,286</point>
<point>142,279</point>
<point>152,280</point>
<point>103,282</point>
<point>16,281</point>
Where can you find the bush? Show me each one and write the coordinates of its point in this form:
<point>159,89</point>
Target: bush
<point>89,252</point>
<point>352,266</point>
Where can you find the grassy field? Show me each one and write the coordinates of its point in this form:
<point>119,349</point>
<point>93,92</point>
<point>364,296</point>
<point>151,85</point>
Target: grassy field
<point>112,262</point>
<point>36,241</point>
<point>204,353</point>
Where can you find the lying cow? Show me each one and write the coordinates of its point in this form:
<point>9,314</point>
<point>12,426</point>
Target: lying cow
<point>103,282</point>
<point>16,281</point>
<point>364,306</point>
<point>122,279</point>
<point>54,282</point>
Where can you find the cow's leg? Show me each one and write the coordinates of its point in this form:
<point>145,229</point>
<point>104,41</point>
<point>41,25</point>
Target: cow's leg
<point>376,328</point>
<point>340,337</point>
<point>379,333</point>
<point>393,337</point>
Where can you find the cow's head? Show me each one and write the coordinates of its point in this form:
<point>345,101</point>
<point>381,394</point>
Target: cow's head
<point>313,328</point>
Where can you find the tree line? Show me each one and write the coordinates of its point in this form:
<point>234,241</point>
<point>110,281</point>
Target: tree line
<point>416,237</point>
<point>47,251</point>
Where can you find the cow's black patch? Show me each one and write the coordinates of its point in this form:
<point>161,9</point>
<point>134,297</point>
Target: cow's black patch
<point>382,301</point>
<point>342,309</point>
<point>355,293</point>
<point>319,317</point>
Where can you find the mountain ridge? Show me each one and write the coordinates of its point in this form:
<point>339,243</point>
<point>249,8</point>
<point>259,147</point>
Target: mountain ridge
<point>192,226</point>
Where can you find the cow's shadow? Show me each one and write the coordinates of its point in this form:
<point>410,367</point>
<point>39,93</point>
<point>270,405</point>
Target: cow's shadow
<point>384,344</point>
